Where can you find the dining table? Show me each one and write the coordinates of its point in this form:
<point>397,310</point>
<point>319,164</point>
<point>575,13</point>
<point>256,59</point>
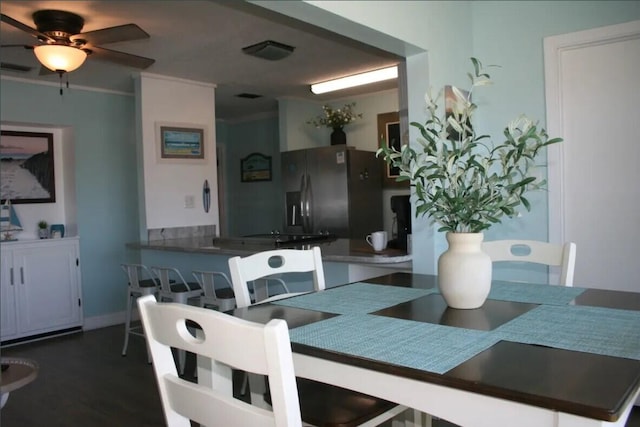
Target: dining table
<point>533,355</point>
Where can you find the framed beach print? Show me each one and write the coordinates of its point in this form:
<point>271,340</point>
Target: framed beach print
<point>180,142</point>
<point>26,167</point>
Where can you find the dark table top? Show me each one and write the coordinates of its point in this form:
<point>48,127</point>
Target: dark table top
<point>585,384</point>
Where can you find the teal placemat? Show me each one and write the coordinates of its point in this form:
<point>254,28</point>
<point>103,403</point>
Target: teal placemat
<point>533,293</point>
<point>595,330</point>
<point>355,298</point>
<point>425,346</point>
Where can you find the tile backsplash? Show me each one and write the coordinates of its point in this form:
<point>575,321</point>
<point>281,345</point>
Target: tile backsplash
<point>181,232</point>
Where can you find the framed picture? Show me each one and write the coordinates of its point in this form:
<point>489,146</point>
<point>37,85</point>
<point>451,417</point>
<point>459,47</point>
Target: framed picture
<point>26,167</point>
<point>389,134</point>
<point>180,143</point>
<point>449,103</point>
<point>255,167</point>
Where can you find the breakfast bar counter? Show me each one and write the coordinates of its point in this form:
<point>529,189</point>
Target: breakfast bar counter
<point>350,251</point>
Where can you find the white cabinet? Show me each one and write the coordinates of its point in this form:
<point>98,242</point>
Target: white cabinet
<point>40,287</point>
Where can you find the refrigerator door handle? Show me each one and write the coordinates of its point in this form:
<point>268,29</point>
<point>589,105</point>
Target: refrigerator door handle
<point>309,205</point>
<point>303,192</point>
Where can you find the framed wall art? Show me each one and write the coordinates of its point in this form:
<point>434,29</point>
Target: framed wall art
<point>27,167</point>
<point>180,143</point>
<point>255,167</point>
<point>389,133</point>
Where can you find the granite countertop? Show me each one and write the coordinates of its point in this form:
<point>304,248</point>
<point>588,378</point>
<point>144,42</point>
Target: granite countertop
<point>335,250</point>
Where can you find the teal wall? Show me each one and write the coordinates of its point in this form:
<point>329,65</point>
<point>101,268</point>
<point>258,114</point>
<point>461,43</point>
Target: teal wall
<point>256,207</point>
<point>105,152</point>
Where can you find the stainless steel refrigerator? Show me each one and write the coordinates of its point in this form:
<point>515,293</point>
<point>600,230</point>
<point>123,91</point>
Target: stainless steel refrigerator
<point>335,190</point>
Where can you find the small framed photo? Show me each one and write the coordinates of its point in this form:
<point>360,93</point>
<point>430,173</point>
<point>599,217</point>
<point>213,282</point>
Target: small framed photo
<point>27,172</point>
<point>178,142</point>
<point>389,133</point>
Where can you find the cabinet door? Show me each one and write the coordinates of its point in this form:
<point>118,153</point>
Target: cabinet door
<point>49,298</point>
<point>8,320</point>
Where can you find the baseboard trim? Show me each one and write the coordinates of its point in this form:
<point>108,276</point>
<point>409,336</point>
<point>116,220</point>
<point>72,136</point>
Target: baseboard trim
<point>40,337</point>
<point>97,322</point>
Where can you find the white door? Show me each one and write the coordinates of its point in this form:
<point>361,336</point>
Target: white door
<point>593,102</point>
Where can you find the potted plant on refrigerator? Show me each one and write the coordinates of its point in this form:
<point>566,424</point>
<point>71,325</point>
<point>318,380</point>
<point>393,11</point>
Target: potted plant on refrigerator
<point>465,184</point>
<point>336,119</point>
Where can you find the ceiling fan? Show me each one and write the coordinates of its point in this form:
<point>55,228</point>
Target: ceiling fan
<point>62,47</point>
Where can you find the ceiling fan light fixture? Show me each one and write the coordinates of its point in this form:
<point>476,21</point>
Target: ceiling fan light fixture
<point>355,80</point>
<point>268,49</point>
<point>60,57</point>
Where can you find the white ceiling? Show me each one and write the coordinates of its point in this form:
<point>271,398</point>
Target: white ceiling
<point>203,41</point>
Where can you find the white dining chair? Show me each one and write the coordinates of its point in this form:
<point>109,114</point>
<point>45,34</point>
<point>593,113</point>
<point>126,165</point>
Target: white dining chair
<point>320,404</point>
<point>244,345</point>
<point>550,254</point>
<point>273,263</point>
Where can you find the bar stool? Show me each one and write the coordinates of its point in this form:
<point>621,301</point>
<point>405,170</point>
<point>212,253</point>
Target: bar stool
<point>223,299</point>
<point>174,288</point>
<point>141,282</point>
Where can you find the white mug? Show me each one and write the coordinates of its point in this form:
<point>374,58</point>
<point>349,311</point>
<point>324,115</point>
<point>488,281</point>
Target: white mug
<point>377,240</point>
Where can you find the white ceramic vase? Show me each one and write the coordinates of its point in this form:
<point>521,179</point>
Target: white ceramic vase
<point>464,271</point>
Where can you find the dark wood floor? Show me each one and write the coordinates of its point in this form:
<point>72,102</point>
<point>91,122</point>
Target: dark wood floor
<point>83,381</point>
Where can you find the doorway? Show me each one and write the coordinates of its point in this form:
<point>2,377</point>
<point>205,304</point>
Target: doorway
<point>592,96</point>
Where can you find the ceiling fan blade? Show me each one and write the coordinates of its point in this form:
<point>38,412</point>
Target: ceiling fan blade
<point>24,46</point>
<point>121,58</point>
<point>7,66</point>
<point>19,25</point>
<point>120,33</point>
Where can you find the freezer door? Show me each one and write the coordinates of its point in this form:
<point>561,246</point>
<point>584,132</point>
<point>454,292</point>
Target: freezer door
<point>294,181</point>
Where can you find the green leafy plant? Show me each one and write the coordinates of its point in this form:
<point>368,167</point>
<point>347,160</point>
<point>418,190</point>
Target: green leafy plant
<point>462,181</point>
<point>336,118</point>
<point>42,224</point>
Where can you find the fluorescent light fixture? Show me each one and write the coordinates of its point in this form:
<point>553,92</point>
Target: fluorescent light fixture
<point>60,57</point>
<point>355,80</point>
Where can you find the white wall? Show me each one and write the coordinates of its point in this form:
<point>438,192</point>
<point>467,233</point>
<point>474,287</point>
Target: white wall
<point>63,211</point>
<point>167,183</point>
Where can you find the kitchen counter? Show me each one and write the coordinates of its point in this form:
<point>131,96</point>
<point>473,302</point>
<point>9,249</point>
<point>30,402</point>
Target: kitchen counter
<point>336,250</point>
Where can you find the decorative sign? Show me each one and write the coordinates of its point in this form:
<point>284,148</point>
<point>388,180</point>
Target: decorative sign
<point>255,167</point>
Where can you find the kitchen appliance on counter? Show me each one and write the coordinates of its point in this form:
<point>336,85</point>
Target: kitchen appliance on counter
<point>335,190</point>
<point>401,207</point>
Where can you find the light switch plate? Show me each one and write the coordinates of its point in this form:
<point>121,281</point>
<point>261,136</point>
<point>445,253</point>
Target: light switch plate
<point>189,202</point>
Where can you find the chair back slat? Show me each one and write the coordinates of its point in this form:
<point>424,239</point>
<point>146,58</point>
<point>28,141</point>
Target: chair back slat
<point>268,263</point>
<point>140,278</point>
<point>243,345</point>
<point>558,255</point>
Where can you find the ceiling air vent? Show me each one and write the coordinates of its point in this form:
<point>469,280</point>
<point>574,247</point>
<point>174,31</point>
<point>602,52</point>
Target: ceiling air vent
<point>268,49</point>
<point>248,95</point>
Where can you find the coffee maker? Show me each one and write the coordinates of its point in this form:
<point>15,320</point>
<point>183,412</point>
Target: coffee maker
<point>401,207</point>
